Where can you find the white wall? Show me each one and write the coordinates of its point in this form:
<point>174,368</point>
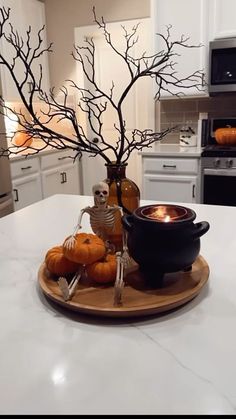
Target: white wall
<point>62,16</point>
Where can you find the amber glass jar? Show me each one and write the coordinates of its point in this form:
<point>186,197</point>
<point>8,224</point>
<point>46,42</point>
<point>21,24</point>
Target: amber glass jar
<point>124,193</point>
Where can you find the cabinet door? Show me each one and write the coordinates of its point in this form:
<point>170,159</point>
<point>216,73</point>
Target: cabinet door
<point>188,18</point>
<point>24,13</point>
<point>26,190</point>
<point>34,15</point>
<point>222,21</point>
<point>170,188</point>
<point>16,19</point>
<point>61,180</point>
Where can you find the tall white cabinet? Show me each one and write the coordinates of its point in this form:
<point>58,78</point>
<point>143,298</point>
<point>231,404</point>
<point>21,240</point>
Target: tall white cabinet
<point>24,14</point>
<point>222,23</point>
<point>188,18</point>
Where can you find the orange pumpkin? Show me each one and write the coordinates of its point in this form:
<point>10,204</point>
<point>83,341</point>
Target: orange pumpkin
<point>22,139</point>
<point>226,135</point>
<point>88,248</point>
<point>104,270</point>
<point>57,263</point>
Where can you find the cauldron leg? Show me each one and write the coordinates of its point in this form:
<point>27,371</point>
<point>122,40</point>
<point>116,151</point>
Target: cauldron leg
<point>188,268</point>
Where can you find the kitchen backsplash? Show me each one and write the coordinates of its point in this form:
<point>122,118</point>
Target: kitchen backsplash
<point>183,112</point>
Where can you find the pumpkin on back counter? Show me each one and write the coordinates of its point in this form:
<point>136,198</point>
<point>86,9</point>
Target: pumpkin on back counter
<point>226,135</point>
<point>22,139</point>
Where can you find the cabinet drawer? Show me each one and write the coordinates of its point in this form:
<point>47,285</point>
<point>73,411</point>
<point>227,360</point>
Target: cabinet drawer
<point>168,165</point>
<point>25,167</point>
<point>56,159</point>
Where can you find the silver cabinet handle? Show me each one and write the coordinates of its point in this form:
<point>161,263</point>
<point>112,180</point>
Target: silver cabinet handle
<point>62,158</point>
<point>26,168</point>
<point>30,86</point>
<point>62,177</point>
<point>16,195</point>
<point>169,166</point>
<point>203,79</point>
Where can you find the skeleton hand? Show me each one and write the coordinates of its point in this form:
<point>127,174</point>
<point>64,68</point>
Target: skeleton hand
<point>126,259</point>
<point>70,242</point>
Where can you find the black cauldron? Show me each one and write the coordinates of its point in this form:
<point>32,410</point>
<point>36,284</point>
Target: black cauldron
<point>163,238</point>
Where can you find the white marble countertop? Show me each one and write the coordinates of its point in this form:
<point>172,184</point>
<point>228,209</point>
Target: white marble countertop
<point>56,362</point>
<point>172,150</point>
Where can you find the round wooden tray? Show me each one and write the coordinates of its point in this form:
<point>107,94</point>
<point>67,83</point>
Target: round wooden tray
<point>137,298</point>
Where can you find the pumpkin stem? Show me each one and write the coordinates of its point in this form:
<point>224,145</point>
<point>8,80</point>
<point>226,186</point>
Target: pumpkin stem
<point>87,241</point>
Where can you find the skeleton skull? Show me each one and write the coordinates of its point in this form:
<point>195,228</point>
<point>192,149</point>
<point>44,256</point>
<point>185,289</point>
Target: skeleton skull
<point>100,193</point>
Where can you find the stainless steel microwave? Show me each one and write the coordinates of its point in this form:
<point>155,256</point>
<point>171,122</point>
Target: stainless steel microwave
<point>222,66</point>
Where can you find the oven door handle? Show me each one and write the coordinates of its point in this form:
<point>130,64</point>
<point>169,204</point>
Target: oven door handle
<point>220,172</point>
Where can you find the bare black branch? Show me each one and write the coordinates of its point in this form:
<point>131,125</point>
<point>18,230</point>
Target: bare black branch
<point>93,100</point>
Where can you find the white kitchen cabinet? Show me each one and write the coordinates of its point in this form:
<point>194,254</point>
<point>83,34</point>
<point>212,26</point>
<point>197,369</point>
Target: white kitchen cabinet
<point>24,13</point>
<point>26,182</point>
<point>222,22</point>
<point>171,179</point>
<point>60,174</point>
<point>188,18</point>
<point>170,188</point>
<point>26,190</point>
<point>38,177</point>
<point>61,180</point>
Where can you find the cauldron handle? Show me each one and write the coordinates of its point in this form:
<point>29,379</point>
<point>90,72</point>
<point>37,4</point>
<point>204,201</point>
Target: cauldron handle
<point>127,222</point>
<point>200,228</point>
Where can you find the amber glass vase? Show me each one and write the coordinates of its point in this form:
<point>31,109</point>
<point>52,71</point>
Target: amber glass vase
<point>124,193</point>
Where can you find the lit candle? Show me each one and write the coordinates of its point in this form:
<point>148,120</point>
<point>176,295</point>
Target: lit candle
<point>167,219</point>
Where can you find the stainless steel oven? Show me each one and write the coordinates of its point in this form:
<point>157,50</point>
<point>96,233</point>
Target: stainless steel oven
<point>219,179</point>
<point>218,165</point>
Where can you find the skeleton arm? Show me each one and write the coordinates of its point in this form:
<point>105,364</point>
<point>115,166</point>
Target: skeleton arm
<point>69,243</point>
<point>78,225</point>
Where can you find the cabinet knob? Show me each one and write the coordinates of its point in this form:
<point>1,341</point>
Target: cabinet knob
<point>95,140</point>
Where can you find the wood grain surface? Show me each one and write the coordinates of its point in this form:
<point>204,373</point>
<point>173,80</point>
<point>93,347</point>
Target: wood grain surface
<point>138,298</point>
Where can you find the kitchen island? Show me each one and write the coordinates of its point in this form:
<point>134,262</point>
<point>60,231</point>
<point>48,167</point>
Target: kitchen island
<point>58,362</point>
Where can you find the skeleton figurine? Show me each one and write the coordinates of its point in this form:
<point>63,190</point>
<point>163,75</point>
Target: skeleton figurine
<point>102,221</point>
<point>102,215</point>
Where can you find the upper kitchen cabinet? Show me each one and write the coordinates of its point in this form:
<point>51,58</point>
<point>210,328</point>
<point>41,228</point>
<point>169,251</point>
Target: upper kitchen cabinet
<point>188,18</point>
<point>24,13</point>
<point>222,19</point>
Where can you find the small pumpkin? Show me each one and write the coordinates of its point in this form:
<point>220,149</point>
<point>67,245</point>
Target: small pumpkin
<point>22,139</point>
<point>88,248</point>
<point>226,135</point>
<point>57,263</point>
<point>104,270</point>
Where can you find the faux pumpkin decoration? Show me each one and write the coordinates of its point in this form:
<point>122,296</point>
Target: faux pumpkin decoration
<point>104,270</point>
<point>88,248</point>
<point>57,263</point>
<point>226,135</point>
<point>21,139</point>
